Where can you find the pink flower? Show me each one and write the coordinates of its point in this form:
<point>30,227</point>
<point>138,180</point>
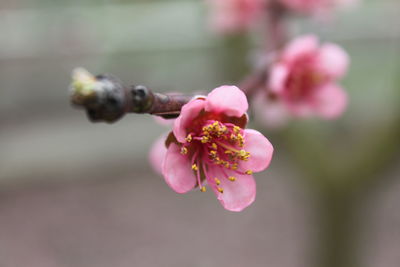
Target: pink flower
<point>231,16</point>
<point>316,6</point>
<point>304,78</point>
<point>157,153</point>
<point>208,145</point>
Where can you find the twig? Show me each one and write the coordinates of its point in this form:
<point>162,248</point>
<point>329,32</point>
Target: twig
<point>105,98</point>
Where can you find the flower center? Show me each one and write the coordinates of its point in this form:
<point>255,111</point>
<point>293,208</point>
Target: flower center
<point>218,145</point>
<point>302,83</point>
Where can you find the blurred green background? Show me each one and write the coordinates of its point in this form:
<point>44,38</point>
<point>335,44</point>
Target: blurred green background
<point>73,193</point>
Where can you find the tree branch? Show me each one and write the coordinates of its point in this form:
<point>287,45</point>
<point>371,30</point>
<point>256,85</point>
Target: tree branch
<point>105,98</point>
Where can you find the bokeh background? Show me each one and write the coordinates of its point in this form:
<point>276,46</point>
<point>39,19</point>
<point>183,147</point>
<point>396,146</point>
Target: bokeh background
<point>77,194</point>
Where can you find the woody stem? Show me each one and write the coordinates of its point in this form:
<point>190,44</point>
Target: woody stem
<point>106,99</point>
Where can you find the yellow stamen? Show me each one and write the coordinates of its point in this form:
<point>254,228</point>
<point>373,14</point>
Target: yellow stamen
<point>221,190</point>
<point>249,172</point>
<point>203,189</point>
<point>204,139</point>
<point>214,146</point>
<point>213,154</point>
<point>236,129</point>
<point>241,140</point>
<point>184,150</point>
<point>194,167</point>
<point>217,181</point>
<point>244,155</point>
<point>189,138</point>
<point>232,178</point>
<point>234,166</point>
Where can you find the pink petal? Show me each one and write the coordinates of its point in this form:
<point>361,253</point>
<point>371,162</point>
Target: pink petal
<point>157,153</point>
<point>228,100</point>
<point>278,77</point>
<point>302,46</point>
<point>331,101</point>
<point>300,109</point>
<point>333,60</point>
<point>177,170</point>
<point>189,111</point>
<point>237,195</point>
<point>260,150</point>
<point>271,113</point>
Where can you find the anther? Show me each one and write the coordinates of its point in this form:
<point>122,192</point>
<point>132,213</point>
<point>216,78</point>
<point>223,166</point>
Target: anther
<point>221,190</point>
<point>203,189</point>
<point>217,181</point>
<point>194,167</point>
<point>249,172</point>
<point>232,178</point>
<point>189,138</point>
<point>184,150</point>
<point>214,146</point>
<point>204,139</point>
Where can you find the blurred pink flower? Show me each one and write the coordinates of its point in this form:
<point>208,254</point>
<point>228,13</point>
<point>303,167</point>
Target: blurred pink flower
<point>231,16</point>
<point>305,75</point>
<point>208,145</point>
<point>316,6</point>
<point>157,153</point>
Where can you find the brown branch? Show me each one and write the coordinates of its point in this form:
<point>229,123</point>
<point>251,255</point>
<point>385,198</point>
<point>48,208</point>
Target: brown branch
<point>105,98</point>
<point>276,25</point>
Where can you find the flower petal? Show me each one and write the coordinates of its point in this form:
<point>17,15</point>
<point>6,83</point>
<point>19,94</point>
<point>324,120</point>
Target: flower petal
<point>177,170</point>
<point>302,46</point>
<point>237,195</point>
<point>228,100</point>
<point>260,150</point>
<point>279,75</point>
<point>333,60</point>
<point>271,113</point>
<point>331,101</point>
<point>157,153</point>
<point>188,112</point>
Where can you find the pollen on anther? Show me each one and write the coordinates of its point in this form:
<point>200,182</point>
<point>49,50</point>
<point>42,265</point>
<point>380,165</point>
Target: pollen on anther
<point>189,138</point>
<point>184,150</point>
<point>221,190</point>
<point>204,139</point>
<point>217,181</point>
<point>214,146</point>
<point>203,189</point>
<point>232,178</point>
<point>249,172</point>
<point>194,167</point>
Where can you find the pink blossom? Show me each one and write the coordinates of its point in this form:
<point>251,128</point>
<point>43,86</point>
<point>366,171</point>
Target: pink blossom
<point>231,16</point>
<point>157,153</point>
<point>305,75</point>
<point>316,6</point>
<point>209,145</point>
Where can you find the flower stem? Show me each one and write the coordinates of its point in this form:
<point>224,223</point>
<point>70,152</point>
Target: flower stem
<point>276,26</point>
